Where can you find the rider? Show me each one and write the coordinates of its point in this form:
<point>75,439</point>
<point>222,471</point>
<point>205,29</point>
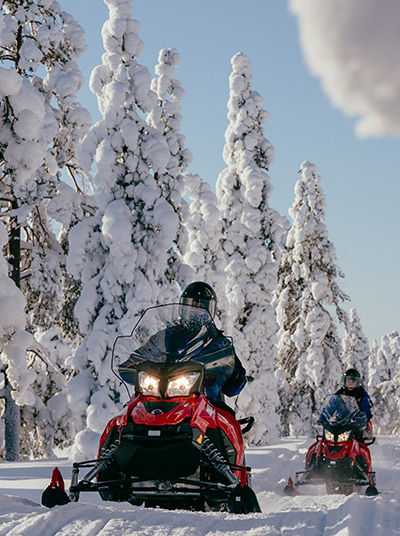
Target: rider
<point>199,304</point>
<point>201,294</point>
<point>352,387</point>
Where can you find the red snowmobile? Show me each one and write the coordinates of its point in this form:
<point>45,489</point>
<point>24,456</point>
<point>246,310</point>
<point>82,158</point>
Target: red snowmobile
<point>171,448</point>
<point>340,458</point>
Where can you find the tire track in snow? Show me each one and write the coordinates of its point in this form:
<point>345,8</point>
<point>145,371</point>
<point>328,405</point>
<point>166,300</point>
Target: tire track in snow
<point>56,522</point>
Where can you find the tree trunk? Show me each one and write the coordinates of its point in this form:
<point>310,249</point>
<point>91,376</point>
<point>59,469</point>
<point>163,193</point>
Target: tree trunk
<point>12,414</point>
<point>12,424</point>
<point>14,247</point>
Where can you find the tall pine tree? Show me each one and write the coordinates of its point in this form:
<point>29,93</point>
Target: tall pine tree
<point>252,241</point>
<point>167,117</point>
<point>113,253</point>
<point>41,124</point>
<point>384,382</point>
<point>355,347</point>
<point>309,305</point>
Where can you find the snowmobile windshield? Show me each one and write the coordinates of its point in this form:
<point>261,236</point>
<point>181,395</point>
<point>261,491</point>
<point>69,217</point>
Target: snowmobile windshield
<point>341,413</point>
<point>174,333</point>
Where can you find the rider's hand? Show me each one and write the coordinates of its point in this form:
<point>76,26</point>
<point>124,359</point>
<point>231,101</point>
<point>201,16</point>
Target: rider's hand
<point>209,379</point>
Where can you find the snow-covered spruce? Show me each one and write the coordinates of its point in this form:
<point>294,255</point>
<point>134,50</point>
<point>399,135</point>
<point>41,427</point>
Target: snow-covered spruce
<point>384,360</point>
<point>309,297</point>
<point>383,386</point>
<point>166,117</point>
<point>355,347</point>
<point>41,125</point>
<point>17,378</point>
<point>252,240</point>
<point>121,253</point>
<point>204,228</point>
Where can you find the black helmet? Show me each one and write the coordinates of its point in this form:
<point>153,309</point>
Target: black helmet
<point>200,294</point>
<point>352,375</point>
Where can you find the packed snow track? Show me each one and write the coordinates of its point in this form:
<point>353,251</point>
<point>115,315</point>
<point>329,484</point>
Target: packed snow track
<point>308,515</point>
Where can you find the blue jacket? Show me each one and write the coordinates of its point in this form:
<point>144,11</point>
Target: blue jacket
<point>216,385</point>
<point>362,397</point>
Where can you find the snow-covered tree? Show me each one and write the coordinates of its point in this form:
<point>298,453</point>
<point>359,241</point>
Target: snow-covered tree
<point>383,385</point>
<point>47,423</point>
<point>121,253</point>
<point>355,347</point>
<point>41,125</point>
<point>199,232</point>
<point>252,240</point>
<point>309,298</point>
<point>167,117</point>
<point>384,360</point>
<point>204,228</point>
<point>14,343</point>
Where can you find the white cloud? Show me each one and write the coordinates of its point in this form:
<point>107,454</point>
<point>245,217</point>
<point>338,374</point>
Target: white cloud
<point>354,47</point>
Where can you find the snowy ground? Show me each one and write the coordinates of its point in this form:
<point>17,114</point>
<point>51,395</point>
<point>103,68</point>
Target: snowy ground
<point>307,515</point>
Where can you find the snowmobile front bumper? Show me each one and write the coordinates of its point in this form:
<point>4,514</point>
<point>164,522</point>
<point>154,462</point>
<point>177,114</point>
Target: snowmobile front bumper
<point>156,486</point>
<point>311,477</point>
<point>140,489</point>
<point>180,492</point>
<point>341,471</point>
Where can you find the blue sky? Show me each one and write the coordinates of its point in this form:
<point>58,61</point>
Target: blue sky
<point>360,176</point>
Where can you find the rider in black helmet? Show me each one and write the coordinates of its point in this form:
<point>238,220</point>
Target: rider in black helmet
<point>201,295</point>
<point>198,304</point>
<point>352,386</point>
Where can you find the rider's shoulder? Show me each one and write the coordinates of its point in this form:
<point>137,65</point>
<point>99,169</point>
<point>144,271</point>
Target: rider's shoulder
<point>221,339</point>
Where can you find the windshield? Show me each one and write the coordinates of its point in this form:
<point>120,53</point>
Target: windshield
<point>341,413</point>
<point>173,333</point>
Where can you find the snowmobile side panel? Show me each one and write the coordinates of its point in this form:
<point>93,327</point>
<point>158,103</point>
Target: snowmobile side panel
<point>117,421</point>
<point>314,449</point>
<point>232,428</point>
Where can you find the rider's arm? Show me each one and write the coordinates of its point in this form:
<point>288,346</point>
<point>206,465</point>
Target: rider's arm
<point>366,404</point>
<point>236,381</point>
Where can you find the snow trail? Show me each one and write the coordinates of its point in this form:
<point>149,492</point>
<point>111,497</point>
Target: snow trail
<point>316,514</point>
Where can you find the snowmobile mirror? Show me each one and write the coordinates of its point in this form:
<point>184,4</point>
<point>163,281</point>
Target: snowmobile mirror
<point>248,422</point>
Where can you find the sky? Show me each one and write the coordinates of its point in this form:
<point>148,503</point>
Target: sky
<point>328,73</point>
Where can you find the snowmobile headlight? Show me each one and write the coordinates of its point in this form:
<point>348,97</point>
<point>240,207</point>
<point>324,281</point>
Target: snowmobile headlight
<point>148,385</point>
<point>343,437</point>
<point>329,436</point>
<point>182,385</point>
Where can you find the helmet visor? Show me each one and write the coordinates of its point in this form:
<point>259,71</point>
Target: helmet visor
<point>208,305</point>
<point>352,381</point>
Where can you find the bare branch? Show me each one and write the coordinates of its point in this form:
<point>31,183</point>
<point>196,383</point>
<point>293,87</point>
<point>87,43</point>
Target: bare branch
<point>8,57</point>
<point>7,199</point>
<point>26,274</point>
<point>40,352</point>
<point>71,171</point>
